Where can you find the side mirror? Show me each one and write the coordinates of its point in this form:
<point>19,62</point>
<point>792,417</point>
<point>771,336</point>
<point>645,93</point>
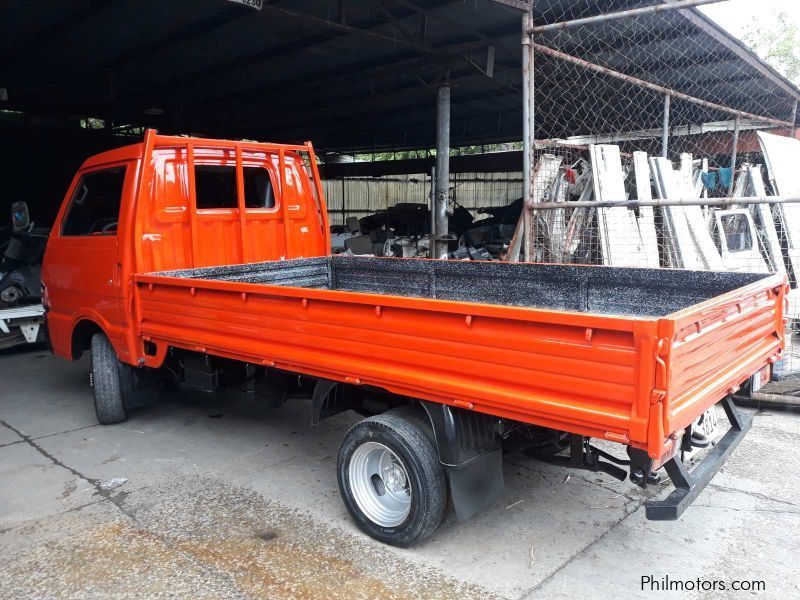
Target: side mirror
<point>20,216</point>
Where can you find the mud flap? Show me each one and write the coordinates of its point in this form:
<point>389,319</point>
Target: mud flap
<point>470,449</point>
<point>477,484</point>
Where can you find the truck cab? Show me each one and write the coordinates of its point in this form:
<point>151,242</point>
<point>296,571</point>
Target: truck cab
<point>171,203</point>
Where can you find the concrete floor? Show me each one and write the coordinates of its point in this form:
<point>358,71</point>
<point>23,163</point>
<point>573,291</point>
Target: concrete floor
<point>225,500</point>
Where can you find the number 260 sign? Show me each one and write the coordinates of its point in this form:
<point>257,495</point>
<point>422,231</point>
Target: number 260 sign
<point>257,4</point>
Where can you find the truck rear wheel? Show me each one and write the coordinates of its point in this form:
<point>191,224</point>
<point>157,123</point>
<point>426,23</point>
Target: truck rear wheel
<point>111,379</point>
<point>391,480</point>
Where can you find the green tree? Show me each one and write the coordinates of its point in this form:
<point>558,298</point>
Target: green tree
<point>776,40</point>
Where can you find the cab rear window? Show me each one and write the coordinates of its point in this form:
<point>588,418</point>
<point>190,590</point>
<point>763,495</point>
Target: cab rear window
<point>258,191</point>
<point>94,208</point>
<point>215,186</point>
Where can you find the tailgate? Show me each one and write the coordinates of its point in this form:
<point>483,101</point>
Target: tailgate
<point>709,349</point>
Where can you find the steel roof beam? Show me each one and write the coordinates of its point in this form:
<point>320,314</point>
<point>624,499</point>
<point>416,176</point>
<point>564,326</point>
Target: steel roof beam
<point>515,4</point>
<point>435,15</point>
<point>323,23</point>
<point>333,31</point>
<point>56,29</point>
<point>398,100</point>
<point>195,29</point>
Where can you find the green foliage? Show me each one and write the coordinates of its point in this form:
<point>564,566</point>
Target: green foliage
<point>776,40</point>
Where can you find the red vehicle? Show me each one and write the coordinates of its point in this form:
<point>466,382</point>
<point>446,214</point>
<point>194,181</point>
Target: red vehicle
<point>207,263</point>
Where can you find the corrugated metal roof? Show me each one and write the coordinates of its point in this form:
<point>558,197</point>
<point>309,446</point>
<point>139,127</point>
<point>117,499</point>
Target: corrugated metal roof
<point>366,79</point>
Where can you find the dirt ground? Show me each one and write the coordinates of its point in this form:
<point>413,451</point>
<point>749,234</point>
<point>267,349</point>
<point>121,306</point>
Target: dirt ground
<point>204,497</point>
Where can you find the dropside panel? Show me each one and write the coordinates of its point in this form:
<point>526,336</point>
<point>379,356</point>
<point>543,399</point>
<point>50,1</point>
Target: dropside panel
<point>571,377</point>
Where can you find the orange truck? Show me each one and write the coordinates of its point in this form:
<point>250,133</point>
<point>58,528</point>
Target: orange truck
<point>205,263</point>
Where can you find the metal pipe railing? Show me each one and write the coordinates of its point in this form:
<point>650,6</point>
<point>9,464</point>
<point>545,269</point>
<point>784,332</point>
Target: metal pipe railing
<point>734,153</point>
<point>665,126</point>
<point>623,14</point>
<point>668,202</point>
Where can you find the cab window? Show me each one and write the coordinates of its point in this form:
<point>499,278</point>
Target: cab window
<point>215,186</point>
<point>94,207</point>
<point>258,191</point>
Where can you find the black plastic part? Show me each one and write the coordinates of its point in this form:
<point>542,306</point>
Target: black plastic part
<point>144,390</point>
<point>689,485</point>
<point>322,390</point>
<point>200,372</point>
<point>641,466</point>
<point>461,435</point>
<point>477,484</point>
<point>470,448</point>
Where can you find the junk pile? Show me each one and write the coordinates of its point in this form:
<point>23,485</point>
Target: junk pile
<point>747,237</point>
<point>402,230</point>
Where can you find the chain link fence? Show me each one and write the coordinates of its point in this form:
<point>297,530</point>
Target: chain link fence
<point>651,108</point>
<point>655,107</point>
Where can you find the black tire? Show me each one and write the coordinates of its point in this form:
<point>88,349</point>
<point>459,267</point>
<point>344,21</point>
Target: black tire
<point>111,379</point>
<point>405,436</point>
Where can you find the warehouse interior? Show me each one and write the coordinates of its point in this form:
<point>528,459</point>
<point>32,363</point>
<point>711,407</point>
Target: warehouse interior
<point>353,77</point>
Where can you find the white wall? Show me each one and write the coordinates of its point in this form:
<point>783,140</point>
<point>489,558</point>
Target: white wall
<point>366,195</point>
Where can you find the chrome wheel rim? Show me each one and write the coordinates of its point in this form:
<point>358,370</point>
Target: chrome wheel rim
<point>380,485</point>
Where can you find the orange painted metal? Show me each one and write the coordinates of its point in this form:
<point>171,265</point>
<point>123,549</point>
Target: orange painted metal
<point>635,381</point>
<point>631,380</point>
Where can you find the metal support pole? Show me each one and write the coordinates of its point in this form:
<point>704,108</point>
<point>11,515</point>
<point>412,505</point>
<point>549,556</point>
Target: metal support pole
<point>442,169</point>
<point>432,240</point>
<point>734,151</point>
<point>344,208</point>
<point>526,126</point>
<point>794,119</point>
<point>527,136</point>
<point>665,126</point>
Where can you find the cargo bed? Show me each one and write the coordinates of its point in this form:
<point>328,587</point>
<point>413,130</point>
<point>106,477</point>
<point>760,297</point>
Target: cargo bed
<point>629,355</point>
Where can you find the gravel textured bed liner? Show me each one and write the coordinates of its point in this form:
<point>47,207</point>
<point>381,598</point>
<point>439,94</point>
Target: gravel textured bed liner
<point>591,289</point>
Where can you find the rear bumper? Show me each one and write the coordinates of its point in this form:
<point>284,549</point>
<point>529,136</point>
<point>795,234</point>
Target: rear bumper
<point>689,485</point>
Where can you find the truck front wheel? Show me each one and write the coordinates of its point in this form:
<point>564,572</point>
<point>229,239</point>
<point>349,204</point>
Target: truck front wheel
<point>391,480</point>
<point>111,379</point>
